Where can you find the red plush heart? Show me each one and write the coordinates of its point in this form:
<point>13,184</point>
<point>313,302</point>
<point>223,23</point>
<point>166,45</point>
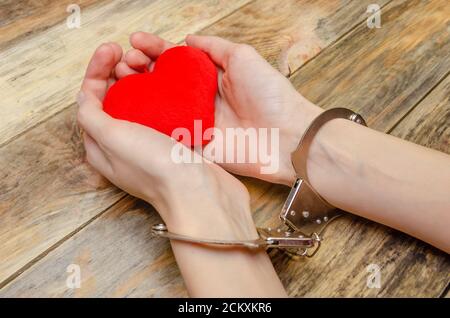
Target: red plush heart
<point>181,89</point>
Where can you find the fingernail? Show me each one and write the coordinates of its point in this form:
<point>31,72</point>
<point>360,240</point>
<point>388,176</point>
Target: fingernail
<point>80,97</point>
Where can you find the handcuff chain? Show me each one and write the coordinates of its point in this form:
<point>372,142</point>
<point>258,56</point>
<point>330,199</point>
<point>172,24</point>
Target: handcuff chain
<point>285,239</point>
<point>305,214</point>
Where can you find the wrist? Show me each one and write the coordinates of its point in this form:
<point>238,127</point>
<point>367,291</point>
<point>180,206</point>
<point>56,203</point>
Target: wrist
<point>212,222</point>
<point>302,114</point>
<point>332,158</point>
<point>216,211</point>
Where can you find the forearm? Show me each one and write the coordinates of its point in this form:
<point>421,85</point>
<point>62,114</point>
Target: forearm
<point>383,178</point>
<point>211,271</point>
<point>226,272</point>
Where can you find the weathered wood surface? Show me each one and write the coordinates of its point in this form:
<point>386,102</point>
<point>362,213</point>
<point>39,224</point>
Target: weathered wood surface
<point>289,33</point>
<point>136,265</point>
<point>20,19</point>
<point>381,73</point>
<point>47,190</point>
<point>54,148</point>
<point>118,258</point>
<point>428,124</point>
<point>33,71</point>
<point>53,197</point>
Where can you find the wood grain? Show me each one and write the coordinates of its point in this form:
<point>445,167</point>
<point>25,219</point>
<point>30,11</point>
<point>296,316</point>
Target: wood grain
<point>447,292</point>
<point>408,267</point>
<point>428,124</point>
<point>49,173</point>
<point>42,205</point>
<point>290,33</point>
<point>47,190</point>
<point>145,268</point>
<point>117,257</point>
<point>382,73</point>
<point>25,18</point>
<point>40,75</point>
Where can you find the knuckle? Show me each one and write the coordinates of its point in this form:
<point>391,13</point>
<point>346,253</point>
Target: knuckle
<point>131,55</point>
<point>82,114</point>
<point>104,49</point>
<point>242,50</point>
<point>137,36</point>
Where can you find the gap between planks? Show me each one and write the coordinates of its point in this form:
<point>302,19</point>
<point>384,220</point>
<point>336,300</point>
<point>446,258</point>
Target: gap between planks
<point>40,256</point>
<point>446,292</point>
<point>95,217</point>
<point>65,238</point>
<point>58,244</point>
<point>390,130</point>
<point>30,263</point>
<point>333,43</point>
<point>6,142</point>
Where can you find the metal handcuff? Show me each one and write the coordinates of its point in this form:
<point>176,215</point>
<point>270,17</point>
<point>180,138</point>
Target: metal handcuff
<point>305,214</point>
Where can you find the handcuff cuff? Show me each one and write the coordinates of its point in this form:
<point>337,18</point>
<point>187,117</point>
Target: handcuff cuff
<point>304,215</point>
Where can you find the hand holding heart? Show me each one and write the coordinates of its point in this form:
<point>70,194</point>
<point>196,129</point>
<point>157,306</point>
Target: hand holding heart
<point>199,200</point>
<point>252,94</point>
<point>179,91</point>
<point>137,158</point>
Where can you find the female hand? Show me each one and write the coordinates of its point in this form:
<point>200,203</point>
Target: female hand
<point>193,197</point>
<point>251,95</point>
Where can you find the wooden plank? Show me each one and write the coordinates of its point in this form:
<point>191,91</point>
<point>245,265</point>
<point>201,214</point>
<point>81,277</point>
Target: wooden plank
<point>408,268</point>
<point>20,19</point>
<point>428,124</point>
<point>383,72</point>
<point>447,292</point>
<point>55,136</point>
<point>41,75</point>
<point>117,258</point>
<point>290,33</point>
<point>340,267</point>
<point>47,191</point>
<point>390,70</point>
<point>101,274</point>
<point>42,205</point>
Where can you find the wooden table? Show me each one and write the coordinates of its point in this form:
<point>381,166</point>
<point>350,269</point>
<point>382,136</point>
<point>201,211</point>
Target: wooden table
<point>55,210</point>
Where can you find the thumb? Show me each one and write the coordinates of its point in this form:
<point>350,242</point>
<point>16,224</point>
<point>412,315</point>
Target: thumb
<point>218,49</point>
<point>91,116</point>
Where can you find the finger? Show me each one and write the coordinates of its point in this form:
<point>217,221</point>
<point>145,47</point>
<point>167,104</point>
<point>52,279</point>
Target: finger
<point>93,119</point>
<point>96,157</point>
<point>137,60</point>
<point>208,151</point>
<point>100,69</point>
<point>122,70</point>
<point>150,44</point>
<point>217,48</point>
